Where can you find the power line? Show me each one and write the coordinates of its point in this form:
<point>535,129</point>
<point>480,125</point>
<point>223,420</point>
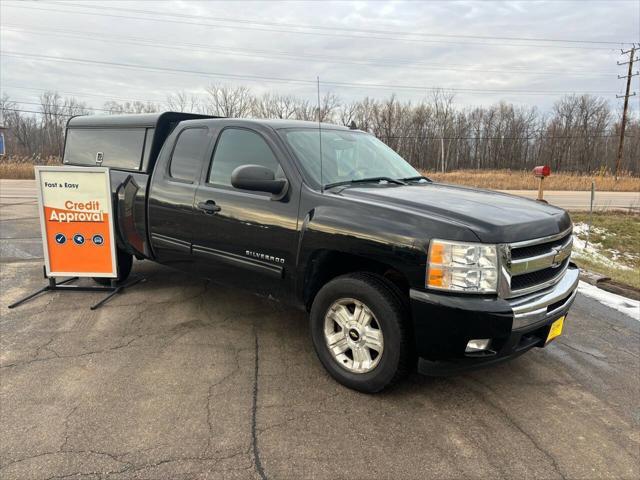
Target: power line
<point>332,35</point>
<point>40,113</point>
<point>628,76</point>
<point>83,107</point>
<point>256,53</point>
<point>264,78</point>
<point>84,94</point>
<point>348,29</point>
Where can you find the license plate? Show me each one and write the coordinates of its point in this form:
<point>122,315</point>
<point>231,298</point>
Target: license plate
<point>556,329</point>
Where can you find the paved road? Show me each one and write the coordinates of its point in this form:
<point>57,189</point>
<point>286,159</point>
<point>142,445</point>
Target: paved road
<point>180,378</point>
<point>581,200</point>
<point>568,200</point>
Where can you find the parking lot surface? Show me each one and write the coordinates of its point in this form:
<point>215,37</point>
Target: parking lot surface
<point>182,378</point>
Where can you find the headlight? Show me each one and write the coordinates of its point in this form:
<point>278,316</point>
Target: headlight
<point>462,267</point>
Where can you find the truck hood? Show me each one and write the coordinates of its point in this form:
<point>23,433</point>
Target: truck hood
<point>493,216</point>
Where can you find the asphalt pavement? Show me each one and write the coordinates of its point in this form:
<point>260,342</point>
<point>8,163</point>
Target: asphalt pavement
<point>182,378</point>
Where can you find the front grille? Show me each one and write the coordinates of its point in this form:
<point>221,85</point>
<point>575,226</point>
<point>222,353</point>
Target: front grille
<point>527,280</point>
<point>537,264</point>
<point>539,249</point>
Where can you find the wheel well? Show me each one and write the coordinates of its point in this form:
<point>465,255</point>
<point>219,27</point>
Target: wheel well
<point>326,265</point>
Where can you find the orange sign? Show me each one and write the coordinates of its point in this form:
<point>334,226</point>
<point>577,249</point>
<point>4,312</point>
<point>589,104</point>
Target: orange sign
<point>76,218</point>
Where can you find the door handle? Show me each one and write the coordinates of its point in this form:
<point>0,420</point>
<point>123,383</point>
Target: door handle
<point>209,207</point>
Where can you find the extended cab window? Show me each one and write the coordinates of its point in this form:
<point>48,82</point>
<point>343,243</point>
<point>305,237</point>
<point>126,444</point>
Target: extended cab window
<point>188,154</point>
<point>238,147</point>
<point>148,144</point>
<point>120,148</point>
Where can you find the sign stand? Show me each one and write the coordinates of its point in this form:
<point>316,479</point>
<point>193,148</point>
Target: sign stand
<point>64,285</point>
<point>77,223</point>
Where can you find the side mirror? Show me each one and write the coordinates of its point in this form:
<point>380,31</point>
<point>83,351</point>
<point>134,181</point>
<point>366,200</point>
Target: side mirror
<point>258,179</point>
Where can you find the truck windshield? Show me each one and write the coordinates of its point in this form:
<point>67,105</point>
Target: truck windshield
<point>346,156</point>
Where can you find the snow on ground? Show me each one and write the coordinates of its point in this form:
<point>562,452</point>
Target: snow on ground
<point>611,300</point>
<point>593,251</point>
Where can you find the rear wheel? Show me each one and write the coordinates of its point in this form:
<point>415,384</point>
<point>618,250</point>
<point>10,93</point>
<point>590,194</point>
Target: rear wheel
<point>359,331</point>
<point>125,262</point>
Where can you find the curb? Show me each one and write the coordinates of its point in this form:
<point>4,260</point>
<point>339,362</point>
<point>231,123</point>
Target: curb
<point>608,285</point>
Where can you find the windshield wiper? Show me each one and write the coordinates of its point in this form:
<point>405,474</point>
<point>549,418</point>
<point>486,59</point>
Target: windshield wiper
<point>415,179</point>
<point>365,180</point>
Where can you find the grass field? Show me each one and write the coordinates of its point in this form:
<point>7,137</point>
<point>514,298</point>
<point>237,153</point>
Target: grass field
<point>22,168</point>
<point>524,180</point>
<point>614,245</point>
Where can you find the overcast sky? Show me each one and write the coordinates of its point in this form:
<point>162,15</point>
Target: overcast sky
<point>526,52</point>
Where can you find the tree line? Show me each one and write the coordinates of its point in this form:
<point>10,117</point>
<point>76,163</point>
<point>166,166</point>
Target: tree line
<point>579,134</point>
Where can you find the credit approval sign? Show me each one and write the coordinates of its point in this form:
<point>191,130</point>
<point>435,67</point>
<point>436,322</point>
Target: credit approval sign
<point>76,219</point>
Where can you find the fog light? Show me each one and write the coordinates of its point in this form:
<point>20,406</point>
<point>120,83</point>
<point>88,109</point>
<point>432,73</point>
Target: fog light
<point>478,345</point>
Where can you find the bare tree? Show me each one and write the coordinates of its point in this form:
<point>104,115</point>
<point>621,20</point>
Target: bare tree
<point>56,111</point>
<point>433,134</point>
<point>227,101</point>
<point>136,106</point>
<point>183,102</point>
<point>274,106</point>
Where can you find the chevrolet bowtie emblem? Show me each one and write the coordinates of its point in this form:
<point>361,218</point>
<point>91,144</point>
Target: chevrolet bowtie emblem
<point>560,256</point>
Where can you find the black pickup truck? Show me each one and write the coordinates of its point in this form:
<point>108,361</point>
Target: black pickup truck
<point>395,270</point>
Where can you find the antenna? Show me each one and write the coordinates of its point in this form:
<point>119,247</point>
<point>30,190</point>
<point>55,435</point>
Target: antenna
<point>320,137</point>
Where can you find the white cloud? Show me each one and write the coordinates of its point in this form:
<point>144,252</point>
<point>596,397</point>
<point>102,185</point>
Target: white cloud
<point>430,61</point>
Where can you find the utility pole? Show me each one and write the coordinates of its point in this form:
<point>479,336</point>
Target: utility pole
<point>626,96</point>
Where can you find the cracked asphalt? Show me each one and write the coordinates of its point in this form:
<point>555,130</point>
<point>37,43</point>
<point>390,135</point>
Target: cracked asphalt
<point>181,378</point>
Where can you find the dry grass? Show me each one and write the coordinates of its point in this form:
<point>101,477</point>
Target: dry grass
<point>16,170</point>
<point>616,236</point>
<point>524,180</point>
<point>22,167</point>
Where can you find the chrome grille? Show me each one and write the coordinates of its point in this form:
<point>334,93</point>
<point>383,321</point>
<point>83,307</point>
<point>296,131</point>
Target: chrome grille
<point>535,264</point>
<point>527,280</point>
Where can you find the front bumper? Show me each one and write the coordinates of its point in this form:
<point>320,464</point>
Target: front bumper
<point>444,324</point>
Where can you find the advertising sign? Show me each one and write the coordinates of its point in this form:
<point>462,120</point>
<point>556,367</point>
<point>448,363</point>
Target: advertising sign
<point>76,219</point>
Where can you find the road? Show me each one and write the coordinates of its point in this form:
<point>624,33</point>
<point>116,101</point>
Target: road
<point>580,200</point>
<point>569,200</point>
<point>181,378</point>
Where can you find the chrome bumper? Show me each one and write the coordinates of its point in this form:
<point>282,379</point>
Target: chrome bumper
<point>545,304</point>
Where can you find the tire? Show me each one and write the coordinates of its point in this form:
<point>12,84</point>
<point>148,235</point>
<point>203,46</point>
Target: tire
<point>125,262</point>
<point>382,332</point>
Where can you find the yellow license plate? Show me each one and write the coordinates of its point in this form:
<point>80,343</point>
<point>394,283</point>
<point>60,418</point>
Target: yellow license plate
<point>556,329</point>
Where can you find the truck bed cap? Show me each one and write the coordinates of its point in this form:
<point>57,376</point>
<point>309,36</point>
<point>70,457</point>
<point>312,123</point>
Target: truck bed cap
<point>130,120</point>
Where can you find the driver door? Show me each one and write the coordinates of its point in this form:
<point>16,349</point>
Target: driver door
<point>245,238</point>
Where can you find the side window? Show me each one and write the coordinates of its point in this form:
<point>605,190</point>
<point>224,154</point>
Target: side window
<point>188,154</point>
<point>239,147</point>
<point>148,144</point>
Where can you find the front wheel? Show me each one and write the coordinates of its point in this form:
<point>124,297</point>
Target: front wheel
<point>359,331</point>
<point>125,262</point>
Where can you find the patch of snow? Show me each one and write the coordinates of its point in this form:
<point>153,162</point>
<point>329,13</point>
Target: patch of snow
<point>593,250</point>
<point>617,302</point>
<point>583,228</point>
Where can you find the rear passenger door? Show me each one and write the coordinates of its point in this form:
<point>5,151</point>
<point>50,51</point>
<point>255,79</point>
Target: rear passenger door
<point>171,200</point>
<point>248,238</point>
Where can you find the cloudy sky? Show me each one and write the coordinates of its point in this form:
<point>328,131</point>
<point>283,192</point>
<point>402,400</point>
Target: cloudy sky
<point>526,52</point>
